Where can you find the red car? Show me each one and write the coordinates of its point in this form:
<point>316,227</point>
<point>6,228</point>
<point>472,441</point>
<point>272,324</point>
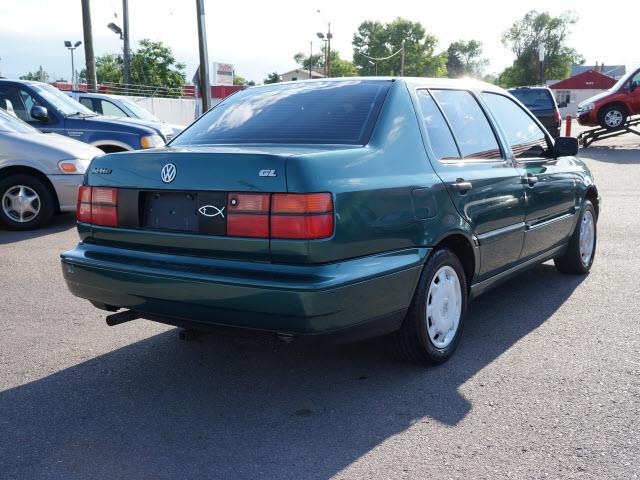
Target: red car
<point>612,108</point>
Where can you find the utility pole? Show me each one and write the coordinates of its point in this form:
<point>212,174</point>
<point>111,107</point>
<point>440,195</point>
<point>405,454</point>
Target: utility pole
<point>310,59</point>
<point>126,56</point>
<point>402,61</point>
<point>205,88</point>
<point>89,58</point>
<point>541,60</point>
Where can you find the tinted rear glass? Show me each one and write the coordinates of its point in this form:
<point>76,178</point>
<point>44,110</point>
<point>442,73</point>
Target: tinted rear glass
<point>342,112</point>
<point>534,99</point>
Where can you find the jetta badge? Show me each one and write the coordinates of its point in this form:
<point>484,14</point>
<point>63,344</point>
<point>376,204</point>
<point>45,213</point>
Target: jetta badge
<point>211,211</point>
<point>168,173</point>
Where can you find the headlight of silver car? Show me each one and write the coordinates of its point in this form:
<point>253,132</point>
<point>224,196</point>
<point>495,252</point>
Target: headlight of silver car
<point>151,141</point>
<point>74,166</point>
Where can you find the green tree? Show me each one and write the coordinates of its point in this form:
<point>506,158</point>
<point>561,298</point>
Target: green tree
<point>378,40</point>
<point>524,38</point>
<point>339,66</point>
<point>273,77</point>
<point>36,76</point>
<point>464,59</point>
<point>152,64</point>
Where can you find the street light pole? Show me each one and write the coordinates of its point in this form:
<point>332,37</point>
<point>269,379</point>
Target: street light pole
<point>402,61</point>
<point>329,49</point>
<point>125,38</point>
<point>541,59</point>
<point>72,47</point>
<point>310,59</point>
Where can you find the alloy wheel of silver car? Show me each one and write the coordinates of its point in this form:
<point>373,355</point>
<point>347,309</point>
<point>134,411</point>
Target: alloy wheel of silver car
<point>444,307</point>
<point>613,118</point>
<point>587,237</point>
<point>21,203</point>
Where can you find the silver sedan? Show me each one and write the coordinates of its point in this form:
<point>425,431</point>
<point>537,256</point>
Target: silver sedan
<point>39,173</point>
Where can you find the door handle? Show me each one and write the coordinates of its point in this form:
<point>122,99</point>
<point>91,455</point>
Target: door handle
<point>462,186</point>
<point>530,180</point>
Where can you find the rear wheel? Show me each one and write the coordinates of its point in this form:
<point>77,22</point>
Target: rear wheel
<point>581,250</point>
<point>25,202</point>
<point>432,328</point>
<point>613,117</point>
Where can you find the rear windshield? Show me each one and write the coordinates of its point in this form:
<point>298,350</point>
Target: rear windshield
<point>534,99</point>
<point>336,112</point>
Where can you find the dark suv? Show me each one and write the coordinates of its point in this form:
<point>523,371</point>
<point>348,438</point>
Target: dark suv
<point>340,208</point>
<point>542,103</point>
<point>46,108</point>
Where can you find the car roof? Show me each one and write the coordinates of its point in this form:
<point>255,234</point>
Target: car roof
<point>413,82</point>
<point>95,95</point>
<point>534,87</point>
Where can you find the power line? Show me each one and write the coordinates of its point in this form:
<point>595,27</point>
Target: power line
<point>383,58</point>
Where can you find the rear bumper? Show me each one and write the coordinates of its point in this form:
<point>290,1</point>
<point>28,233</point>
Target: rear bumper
<point>293,299</point>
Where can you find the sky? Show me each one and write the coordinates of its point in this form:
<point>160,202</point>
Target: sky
<point>260,37</point>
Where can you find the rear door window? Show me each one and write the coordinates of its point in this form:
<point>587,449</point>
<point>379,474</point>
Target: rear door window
<point>470,126</point>
<point>336,112</point>
<point>525,137</point>
<point>440,137</point>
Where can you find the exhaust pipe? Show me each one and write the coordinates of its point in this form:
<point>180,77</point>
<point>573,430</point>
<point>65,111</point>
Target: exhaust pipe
<point>121,317</point>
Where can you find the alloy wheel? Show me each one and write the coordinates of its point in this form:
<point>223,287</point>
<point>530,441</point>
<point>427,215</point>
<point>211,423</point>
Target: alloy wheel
<point>21,203</point>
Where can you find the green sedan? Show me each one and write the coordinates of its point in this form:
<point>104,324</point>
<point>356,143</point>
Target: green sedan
<point>335,209</point>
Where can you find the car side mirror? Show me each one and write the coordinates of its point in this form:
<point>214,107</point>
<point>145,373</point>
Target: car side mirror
<point>39,113</point>
<point>632,86</point>
<point>565,147</point>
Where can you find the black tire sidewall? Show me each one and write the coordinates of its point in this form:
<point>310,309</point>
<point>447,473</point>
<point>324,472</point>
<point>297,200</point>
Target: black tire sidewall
<point>439,259</point>
<point>47,202</point>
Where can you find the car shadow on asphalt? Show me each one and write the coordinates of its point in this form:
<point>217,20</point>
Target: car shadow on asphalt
<point>59,223</point>
<point>627,155</point>
<point>229,407</point>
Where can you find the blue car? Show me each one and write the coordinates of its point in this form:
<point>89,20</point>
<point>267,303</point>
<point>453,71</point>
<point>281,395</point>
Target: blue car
<point>49,110</point>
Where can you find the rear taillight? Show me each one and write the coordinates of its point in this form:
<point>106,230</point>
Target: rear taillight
<point>298,216</point>
<point>98,205</point>
<point>304,216</point>
<point>248,215</point>
<point>557,115</point>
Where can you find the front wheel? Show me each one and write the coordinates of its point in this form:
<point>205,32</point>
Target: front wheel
<point>613,117</point>
<point>25,202</point>
<point>432,328</point>
<point>578,257</point>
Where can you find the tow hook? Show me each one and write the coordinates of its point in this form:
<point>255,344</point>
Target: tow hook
<point>121,317</point>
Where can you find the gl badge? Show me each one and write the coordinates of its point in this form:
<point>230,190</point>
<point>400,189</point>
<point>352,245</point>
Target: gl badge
<point>168,173</point>
<point>211,211</point>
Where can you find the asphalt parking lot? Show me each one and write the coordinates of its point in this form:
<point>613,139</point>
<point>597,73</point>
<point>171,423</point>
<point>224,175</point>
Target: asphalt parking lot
<point>546,382</point>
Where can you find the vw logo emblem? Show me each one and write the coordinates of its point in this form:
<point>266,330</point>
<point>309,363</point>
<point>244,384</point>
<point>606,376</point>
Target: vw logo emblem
<point>168,173</point>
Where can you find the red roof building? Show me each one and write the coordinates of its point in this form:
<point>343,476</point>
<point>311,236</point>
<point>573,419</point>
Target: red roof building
<point>589,80</point>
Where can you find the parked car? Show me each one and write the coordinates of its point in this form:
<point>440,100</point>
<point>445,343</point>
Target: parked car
<point>343,209</point>
<point>49,110</point>
<point>121,107</point>
<point>542,103</point>
<point>612,108</point>
<point>39,173</point>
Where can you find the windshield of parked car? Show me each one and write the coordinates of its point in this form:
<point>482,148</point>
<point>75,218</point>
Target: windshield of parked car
<point>63,103</point>
<point>11,124</point>
<point>534,99</point>
<point>325,112</point>
<point>620,83</point>
<point>138,111</point>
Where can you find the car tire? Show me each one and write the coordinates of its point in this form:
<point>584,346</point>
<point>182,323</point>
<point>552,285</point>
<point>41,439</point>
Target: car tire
<point>613,117</point>
<point>26,202</point>
<point>430,333</point>
<point>578,257</point>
